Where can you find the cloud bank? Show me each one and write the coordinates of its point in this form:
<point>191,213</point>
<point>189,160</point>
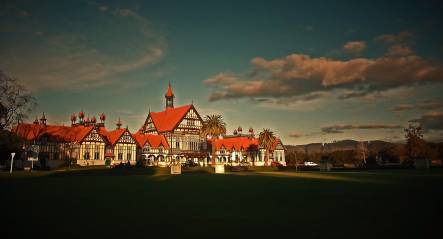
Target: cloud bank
<point>299,75</point>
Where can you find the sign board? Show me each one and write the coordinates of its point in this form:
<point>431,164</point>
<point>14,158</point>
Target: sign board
<point>176,169</point>
<point>219,168</point>
<point>32,152</point>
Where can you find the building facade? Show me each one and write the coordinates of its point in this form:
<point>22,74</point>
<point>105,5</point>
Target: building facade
<point>181,126</point>
<point>167,137</point>
<point>85,143</point>
<point>244,149</point>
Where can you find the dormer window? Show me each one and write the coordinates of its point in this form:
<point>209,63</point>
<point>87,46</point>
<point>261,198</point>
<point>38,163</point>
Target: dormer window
<point>146,148</point>
<point>222,150</point>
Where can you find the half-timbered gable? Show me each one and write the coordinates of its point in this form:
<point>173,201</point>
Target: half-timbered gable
<point>149,126</point>
<point>191,123</point>
<point>240,149</point>
<point>92,146</point>
<point>123,145</point>
<point>278,153</point>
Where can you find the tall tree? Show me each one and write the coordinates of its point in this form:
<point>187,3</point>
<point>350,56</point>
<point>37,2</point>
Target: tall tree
<point>213,126</point>
<point>267,140</point>
<point>415,144</point>
<point>15,101</point>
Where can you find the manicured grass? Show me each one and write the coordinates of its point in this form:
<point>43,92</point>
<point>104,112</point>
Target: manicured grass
<point>145,202</point>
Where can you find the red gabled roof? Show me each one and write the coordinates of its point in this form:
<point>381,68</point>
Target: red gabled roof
<point>68,134</point>
<point>28,131</point>
<point>236,143</point>
<point>166,120</point>
<point>114,135</point>
<point>62,133</point>
<point>239,143</point>
<point>276,142</point>
<point>153,140</point>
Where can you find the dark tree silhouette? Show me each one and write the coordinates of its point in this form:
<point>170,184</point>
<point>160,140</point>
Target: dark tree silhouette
<point>15,101</point>
<point>415,144</point>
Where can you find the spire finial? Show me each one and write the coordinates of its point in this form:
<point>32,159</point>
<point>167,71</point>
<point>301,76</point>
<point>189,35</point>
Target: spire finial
<point>169,96</point>
<point>43,119</point>
<point>119,123</point>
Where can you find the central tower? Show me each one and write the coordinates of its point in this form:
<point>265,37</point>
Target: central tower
<point>169,96</point>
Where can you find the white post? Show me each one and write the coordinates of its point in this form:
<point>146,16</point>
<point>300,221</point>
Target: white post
<point>12,161</point>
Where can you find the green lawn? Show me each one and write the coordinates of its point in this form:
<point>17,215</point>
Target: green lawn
<point>144,202</point>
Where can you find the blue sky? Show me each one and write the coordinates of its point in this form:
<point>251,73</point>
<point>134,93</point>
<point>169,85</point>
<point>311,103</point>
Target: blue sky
<point>310,70</point>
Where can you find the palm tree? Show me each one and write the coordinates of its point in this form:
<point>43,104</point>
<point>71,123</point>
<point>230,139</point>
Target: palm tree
<point>213,126</point>
<point>266,140</point>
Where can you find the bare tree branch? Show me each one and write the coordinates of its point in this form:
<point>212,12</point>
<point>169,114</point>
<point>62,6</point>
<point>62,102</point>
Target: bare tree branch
<point>15,101</point>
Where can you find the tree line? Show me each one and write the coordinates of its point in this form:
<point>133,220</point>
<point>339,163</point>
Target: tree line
<point>362,156</point>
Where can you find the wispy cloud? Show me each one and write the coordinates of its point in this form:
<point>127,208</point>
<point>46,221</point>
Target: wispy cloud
<point>399,50</point>
<point>403,37</point>
<point>103,8</point>
<point>399,44</point>
<point>85,59</point>
<point>424,105</point>
<point>340,128</point>
<point>431,121</point>
<point>355,47</point>
<point>295,135</point>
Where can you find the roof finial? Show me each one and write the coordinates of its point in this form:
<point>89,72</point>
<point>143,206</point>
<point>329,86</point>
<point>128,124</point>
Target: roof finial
<point>43,119</point>
<point>119,123</point>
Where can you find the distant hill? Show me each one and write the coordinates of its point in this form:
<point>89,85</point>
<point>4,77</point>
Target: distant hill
<point>375,145</point>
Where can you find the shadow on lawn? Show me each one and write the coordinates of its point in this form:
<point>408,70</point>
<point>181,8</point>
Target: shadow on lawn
<point>111,172</point>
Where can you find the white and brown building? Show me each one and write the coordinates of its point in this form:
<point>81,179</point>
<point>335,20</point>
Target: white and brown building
<point>167,137</point>
<point>244,149</point>
<point>181,127</point>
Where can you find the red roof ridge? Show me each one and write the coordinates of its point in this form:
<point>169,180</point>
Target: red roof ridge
<point>168,119</point>
<point>63,133</point>
<point>152,139</point>
<point>114,135</point>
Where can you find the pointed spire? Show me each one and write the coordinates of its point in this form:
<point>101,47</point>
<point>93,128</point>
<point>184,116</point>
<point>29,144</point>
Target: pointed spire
<point>169,92</point>
<point>43,119</point>
<point>36,120</point>
<point>169,96</point>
